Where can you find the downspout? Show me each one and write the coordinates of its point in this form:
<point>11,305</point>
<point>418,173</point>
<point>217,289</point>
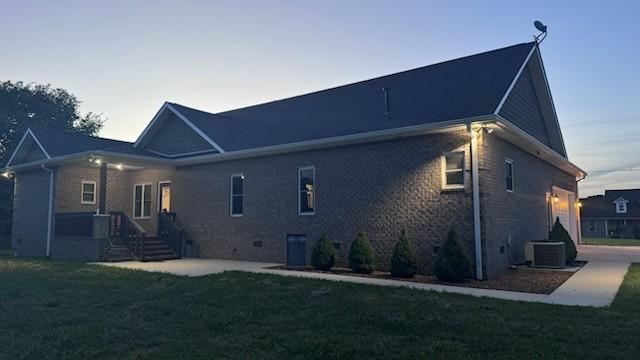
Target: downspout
<point>477,233</point>
<point>50,219</point>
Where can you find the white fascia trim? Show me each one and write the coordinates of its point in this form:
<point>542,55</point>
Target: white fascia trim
<point>196,129</point>
<point>553,106</point>
<point>193,127</point>
<point>515,79</point>
<point>371,136</point>
<point>620,199</point>
<point>28,132</point>
<point>150,125</point>
<point>555,158</point>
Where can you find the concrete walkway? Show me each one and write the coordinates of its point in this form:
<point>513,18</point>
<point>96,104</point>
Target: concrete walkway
<point>596,284</point>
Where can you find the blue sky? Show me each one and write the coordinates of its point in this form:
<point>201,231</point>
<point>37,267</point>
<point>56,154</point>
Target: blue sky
<point>125,58</point>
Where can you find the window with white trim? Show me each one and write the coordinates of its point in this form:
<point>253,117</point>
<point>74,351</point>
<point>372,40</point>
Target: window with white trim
<point>621,207</point>
<point>88,192</point>
<point>306,190</point>
<point>509,174</point>
<point>141,201</point>
<point>237,195</point>
<point>453,176</point>
<point>592,225</point>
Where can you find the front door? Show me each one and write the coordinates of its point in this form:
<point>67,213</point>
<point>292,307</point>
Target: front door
<point>165,197</point>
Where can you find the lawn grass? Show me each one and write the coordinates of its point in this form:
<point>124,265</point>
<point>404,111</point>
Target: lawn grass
<point>610,242</point>
<point>69,310</point>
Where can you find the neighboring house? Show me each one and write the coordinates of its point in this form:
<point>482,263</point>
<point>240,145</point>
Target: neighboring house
<point>614,214</point>
<point>472,143</point>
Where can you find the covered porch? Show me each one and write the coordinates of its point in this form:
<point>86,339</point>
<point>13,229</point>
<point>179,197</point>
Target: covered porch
<point>115,208</point>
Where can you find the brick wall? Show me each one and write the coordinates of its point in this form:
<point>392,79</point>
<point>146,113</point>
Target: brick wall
<point>377,187</point>
<point>511,219</point>
<point>119,190</point>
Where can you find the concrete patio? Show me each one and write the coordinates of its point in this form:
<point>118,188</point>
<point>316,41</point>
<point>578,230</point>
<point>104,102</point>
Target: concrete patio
<point>596,284</point>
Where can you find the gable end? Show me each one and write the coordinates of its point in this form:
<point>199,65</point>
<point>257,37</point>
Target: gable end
<point>173,137</point>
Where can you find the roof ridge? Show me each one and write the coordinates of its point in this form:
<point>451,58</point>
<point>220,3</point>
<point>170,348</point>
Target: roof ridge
<point>221,113</point>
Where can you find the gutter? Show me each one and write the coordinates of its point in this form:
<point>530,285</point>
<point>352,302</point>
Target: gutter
<point>477,226</point>
<point>50,218</point>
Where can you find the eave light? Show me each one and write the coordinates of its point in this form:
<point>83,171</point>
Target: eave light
<point>6,174</point>
<point>119,167</point>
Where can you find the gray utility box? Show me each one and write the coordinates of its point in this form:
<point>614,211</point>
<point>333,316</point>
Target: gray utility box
<point>546,254</point>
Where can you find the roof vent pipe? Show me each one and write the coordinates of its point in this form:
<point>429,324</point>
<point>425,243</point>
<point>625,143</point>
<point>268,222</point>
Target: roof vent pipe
<point>387,110</point>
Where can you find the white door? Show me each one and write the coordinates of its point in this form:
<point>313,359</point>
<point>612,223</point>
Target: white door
<point>563,208</point>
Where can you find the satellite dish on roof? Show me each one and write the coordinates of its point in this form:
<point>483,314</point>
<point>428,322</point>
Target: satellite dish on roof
<point>543,31</point>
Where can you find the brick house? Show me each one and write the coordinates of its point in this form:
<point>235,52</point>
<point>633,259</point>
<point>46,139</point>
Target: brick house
<point>614,214</point>
<point>472,143</point>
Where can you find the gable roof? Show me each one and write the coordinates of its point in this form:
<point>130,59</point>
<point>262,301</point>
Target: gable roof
<point>467,87</point>
<point>603,206</point>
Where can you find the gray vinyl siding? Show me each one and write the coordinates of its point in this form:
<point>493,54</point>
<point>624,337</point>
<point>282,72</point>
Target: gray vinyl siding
<point>522,108</point>
<point>33,154</point>
<point>175,137</point>
<point>30,213</point>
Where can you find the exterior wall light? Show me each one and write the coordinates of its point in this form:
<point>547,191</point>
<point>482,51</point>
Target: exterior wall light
<point>556,198</point>
<point>579,204</point>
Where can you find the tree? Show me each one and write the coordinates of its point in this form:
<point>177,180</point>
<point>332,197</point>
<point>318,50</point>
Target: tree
<point>452,264</point>
<point>403,261</point>
<point>34,105</point>
<point>560,234</point>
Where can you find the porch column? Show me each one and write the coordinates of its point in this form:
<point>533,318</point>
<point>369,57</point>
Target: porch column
<point>103,188</point>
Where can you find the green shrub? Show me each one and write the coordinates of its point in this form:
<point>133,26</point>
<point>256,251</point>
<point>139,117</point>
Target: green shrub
<point>323,256</point>
<point>403,261</point>
<point>559,233</point>
<point>361,258</point>
<point>452,264</point>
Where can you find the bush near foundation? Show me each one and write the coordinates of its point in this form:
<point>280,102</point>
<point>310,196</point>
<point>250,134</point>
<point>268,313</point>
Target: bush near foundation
<point>560,234</point>
<point>323,256</point>
<point>361,258</point>
<point>452,264</point>
<point>403,261</point>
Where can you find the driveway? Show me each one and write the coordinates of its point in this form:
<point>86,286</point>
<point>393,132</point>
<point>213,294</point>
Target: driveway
<point>614,254</point>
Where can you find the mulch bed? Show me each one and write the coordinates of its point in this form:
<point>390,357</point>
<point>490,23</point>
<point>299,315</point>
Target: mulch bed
<point>535,281</point>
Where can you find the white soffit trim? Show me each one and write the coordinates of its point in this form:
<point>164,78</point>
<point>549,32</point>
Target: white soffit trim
<point>33,136</point>
<point>523,139</point>
<point>515,79</point>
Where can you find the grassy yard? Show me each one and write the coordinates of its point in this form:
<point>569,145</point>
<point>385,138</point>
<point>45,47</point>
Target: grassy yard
<point>610,242</point>
<point>60,310</point>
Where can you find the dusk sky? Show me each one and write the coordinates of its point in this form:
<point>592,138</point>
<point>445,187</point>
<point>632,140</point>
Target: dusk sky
<point>125,58</point>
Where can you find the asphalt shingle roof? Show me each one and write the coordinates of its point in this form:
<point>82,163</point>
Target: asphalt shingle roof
<point>462,88</point>
<point>603,207</point>
<point>59,143</point>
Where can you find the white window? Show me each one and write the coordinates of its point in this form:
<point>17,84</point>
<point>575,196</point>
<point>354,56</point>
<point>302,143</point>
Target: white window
<point>453,170</point>
<point>237,195</point>
<point>88,192</point>
<point>306,190</point>
<point>142,201</point>
<point>592,225</point>
<point>509,174</point>
<point>621,206</point>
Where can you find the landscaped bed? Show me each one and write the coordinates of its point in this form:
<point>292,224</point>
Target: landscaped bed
<point>538,281</point>
<point>610,241</point>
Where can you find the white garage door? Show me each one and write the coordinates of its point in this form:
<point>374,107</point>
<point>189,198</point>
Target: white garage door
<point>563,208</point>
